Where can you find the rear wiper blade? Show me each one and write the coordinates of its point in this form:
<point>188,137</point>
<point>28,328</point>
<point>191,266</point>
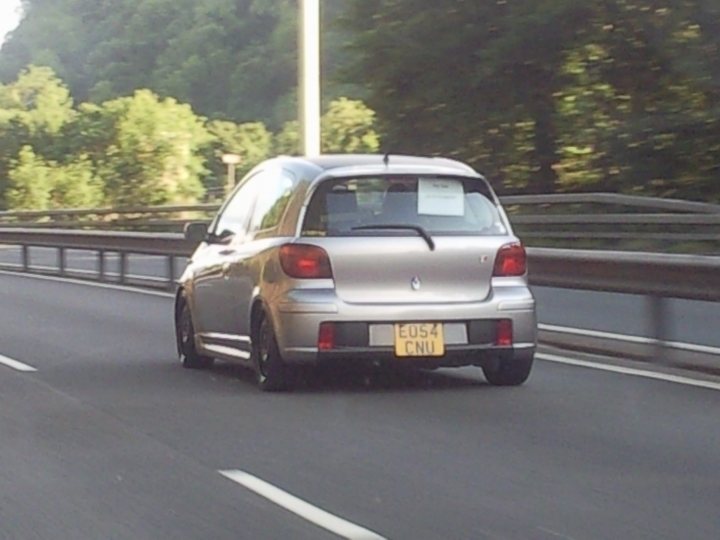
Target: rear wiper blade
<point>399,227</point>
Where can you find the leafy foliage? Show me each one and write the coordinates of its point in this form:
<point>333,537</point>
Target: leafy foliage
<point>541,95</point>
<point>231,59</point>
<point>33,110</point>
<point>39,184</point>
<point>552,94</point>
<point>136,150</point>
<point>252,141</point>
<point>30,182</point>
<point>347,126</point>
<point>155,156</point>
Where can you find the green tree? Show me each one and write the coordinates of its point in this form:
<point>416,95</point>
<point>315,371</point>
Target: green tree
<point>37,184</point>
<point>230,59</point>
<point>30,185</point>
<point>251,141</point>
<point>287,140</point>
<point>75,185</point>
<point>619,94</point>
<point>475,80</point>
<point>33,110</point>
<point>38,99</point>
<point>639,112</point>
<point>156,156</point>
<point>348,126</point>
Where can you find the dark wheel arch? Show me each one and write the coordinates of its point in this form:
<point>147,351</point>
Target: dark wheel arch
<point>184,336</point>
<point>271,372</point>
<point>258,310</point>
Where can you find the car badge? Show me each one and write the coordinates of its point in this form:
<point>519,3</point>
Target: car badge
<point>415,283</point>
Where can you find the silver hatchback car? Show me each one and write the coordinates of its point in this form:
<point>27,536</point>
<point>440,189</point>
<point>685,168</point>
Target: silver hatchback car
<point>386,259</point>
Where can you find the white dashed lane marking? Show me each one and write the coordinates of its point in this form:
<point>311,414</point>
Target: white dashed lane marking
<point>14,364</point>
<point>305,510</point>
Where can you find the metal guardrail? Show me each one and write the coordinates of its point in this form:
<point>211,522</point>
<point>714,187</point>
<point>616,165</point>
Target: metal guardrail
<point>616,199</point>
<point>169,246</point>
<point>606,222</point>
<point>693,277</point>
<point>574,220</point>
<point>85,212</point>
<point>164,218</point>
<point>613,221</point>
<point>655,276</point>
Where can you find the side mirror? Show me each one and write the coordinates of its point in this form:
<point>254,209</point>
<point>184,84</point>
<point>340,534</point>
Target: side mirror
<point>196,232</point>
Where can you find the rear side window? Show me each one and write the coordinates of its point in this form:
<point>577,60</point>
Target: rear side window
<point>275,191</point>
<point>442,206</point>
<point>232,220</point>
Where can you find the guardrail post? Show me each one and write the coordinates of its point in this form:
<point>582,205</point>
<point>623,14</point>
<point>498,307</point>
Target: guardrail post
<point>101,265</point>
<point>171,272</point>
<point>658,317</point>
<point>61,261</point>
<point>123,266</point>
<point>26,258</point>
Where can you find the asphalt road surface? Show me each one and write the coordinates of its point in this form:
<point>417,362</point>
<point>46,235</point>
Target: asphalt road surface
<point>111,438</point>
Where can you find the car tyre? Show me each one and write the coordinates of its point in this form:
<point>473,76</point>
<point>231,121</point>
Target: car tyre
<point>271,372</point>
<point>512,371</point>
<point>185,333</point>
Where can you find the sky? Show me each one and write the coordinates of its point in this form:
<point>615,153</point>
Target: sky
<point>9,16</point>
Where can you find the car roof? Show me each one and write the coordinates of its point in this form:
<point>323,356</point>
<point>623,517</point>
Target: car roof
<point>329,162</point>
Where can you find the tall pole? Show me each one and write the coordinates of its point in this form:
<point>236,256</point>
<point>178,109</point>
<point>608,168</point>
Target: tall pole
<point>309,77</point>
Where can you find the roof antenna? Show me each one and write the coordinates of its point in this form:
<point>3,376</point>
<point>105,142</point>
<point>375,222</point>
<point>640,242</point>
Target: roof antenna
<point>386,159</point>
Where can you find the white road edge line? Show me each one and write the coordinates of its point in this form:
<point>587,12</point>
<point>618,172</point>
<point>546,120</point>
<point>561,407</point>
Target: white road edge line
<point>629,339</point>
<point>116,287</point>
<point>297,506</point>
<point>629,371</point>
<point>14,364</point>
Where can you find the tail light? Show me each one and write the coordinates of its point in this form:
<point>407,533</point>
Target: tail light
<point>504,333</point>
<point>511,261</point>
<point>304,261</point>
<point>326,336</point>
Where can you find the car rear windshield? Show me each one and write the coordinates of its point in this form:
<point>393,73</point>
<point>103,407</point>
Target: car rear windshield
<point>440,205</point>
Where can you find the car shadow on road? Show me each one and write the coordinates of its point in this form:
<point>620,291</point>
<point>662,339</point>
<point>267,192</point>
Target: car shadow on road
<point>362,379</point>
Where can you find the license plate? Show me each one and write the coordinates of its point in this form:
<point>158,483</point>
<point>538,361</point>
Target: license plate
<point>419,339</point>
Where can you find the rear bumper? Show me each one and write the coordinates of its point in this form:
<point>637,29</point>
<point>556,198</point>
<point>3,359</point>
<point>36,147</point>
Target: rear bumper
<point>300,312</point>
<point>454,357</point>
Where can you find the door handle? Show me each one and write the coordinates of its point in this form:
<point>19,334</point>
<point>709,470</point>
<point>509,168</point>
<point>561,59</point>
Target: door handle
<point>226,252</point>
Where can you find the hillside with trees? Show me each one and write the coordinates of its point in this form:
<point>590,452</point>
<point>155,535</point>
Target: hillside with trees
<point>614,95</point>
<point>231,59</point>
<point>540,95</point>
<point>139,149</point>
